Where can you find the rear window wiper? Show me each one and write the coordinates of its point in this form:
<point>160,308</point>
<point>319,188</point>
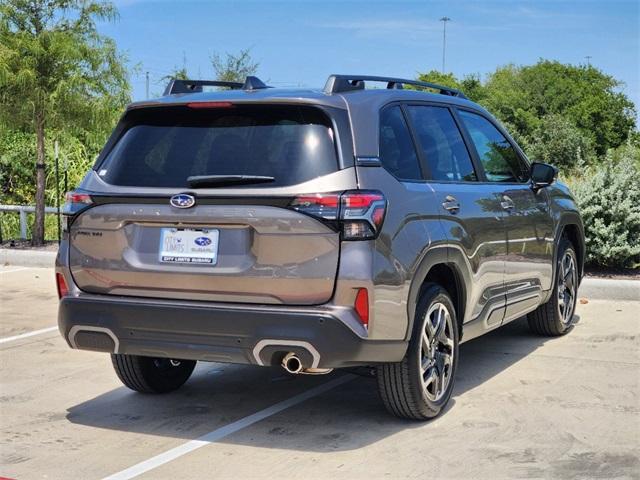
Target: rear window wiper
<point>204,181</point>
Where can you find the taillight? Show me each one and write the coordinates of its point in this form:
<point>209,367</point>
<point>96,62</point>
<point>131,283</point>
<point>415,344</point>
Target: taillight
<point>61,283</point>
<point>320,205</point>
<point>75,201</point>
<point>361,306</point>
<point>360,212</point>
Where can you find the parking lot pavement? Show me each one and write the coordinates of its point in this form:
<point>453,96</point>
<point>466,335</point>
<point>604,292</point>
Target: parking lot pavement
<point>523,406</point>
<point>28,300</point>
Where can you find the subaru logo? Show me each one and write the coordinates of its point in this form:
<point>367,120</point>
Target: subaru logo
<point>182,200</point>
<point>203,241</point>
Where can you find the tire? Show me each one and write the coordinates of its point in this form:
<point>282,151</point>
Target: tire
<point>555,317</point>
<point>408,389</point>
<point>152,375</point>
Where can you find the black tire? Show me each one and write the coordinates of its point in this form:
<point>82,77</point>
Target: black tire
<point>551,319</point>
<point>401,384</point>
<point>152,375</point>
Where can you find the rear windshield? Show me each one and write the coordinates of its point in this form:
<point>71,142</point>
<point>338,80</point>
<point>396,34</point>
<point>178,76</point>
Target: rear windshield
<point>164,146</point>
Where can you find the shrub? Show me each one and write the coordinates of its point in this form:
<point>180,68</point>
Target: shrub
<point>557,141</point>
<point>608,195</point>
<point>17,170</point>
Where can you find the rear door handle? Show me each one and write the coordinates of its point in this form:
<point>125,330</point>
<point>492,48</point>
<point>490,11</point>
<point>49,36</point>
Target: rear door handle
<point>507,203</point>
<point>451,204</point>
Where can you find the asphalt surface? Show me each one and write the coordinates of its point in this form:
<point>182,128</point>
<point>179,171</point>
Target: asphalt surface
<point>523,406</point>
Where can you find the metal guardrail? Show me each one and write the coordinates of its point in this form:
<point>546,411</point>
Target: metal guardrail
<point>23,210</point>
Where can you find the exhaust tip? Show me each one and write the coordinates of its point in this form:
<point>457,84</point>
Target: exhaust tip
<point>291,363</point>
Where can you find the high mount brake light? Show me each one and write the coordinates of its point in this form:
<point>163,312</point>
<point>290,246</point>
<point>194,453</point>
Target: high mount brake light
<point>210,105</point>
<point>75,201</point>
<point>360,212</point>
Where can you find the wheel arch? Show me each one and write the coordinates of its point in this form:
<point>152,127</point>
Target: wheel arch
<point>442,266</point>
<point>571,226</point>
<point>573,233</point>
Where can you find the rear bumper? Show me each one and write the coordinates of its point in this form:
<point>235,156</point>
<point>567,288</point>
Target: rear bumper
<point>259,335</point>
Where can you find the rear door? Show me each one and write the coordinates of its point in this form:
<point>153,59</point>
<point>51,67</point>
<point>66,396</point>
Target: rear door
<point>528,224</point>
<point>216,239</point>
<point>469,210</point>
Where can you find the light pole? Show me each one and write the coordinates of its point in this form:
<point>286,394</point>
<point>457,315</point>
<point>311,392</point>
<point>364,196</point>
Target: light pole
<point>588,57</point>
<point>444,21</point>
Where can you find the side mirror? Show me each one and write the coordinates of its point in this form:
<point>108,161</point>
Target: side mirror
<point>542,175</point>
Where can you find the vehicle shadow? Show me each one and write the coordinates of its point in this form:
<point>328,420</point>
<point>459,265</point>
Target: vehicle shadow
<point>347,417</point>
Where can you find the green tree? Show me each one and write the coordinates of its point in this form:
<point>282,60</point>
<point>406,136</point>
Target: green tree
<point>470,85</point>
<point>15,174</point>
<point>446,79</point>
<point>177,73</point>
<point>585,96</point>
<point>557,141</point>
<point>234,67</point>
<point>582,101</point>
<point>508,99</point>
<point>57,71</point>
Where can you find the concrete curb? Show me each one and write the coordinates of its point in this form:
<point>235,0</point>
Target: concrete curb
<point>27,258</point>
<point>591,288</point>
<point>609,289</point>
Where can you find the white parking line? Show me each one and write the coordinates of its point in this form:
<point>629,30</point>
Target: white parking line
<point>222,432</point>
<point>28,334</point>
<point>14,270</point>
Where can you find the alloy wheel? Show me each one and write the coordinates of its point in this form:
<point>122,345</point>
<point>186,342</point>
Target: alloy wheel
<point>436,352</point>
<point>567,285</point>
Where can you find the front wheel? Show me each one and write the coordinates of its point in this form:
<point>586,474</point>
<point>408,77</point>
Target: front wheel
<point>152,375</point>
<point>555,317</point>
<point>420,385</point>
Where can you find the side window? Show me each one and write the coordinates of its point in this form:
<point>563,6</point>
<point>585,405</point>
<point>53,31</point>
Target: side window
<point>442,144</point>
<point>397,152</point>
<point>500,161</point>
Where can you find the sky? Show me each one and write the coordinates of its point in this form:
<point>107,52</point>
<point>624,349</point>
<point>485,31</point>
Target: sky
<point>300,43</point>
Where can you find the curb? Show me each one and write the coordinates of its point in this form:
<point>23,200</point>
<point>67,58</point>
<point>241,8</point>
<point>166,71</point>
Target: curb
<point>27,258</point>
<point>609,289</point>
<point>591,288</point>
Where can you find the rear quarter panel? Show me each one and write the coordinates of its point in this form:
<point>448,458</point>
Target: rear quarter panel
<point>411,229</point>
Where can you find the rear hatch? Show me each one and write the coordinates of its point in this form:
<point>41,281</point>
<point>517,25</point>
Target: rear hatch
<point>192,202</point>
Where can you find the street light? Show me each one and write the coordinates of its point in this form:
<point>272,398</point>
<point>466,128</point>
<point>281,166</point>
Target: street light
<point>444,21</point>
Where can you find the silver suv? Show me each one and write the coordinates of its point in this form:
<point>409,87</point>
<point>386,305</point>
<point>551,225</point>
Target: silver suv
<point>314,230</point>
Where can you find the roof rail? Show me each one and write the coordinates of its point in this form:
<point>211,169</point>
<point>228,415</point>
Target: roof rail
<point>348,83</point>
<point>195,86</point>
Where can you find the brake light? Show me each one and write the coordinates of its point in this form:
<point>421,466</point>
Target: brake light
<point>61,284</point>
<point>210,105</point>
<point>360,200</point>
<point>361,306</point>
<point>360,212</point>
<point>320,205</point>
<point>75,201</point>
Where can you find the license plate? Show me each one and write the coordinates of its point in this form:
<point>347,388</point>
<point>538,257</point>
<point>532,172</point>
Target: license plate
<point>182,245</point>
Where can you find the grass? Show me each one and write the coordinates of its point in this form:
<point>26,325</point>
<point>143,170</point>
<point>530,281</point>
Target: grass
<point>10,226</point>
